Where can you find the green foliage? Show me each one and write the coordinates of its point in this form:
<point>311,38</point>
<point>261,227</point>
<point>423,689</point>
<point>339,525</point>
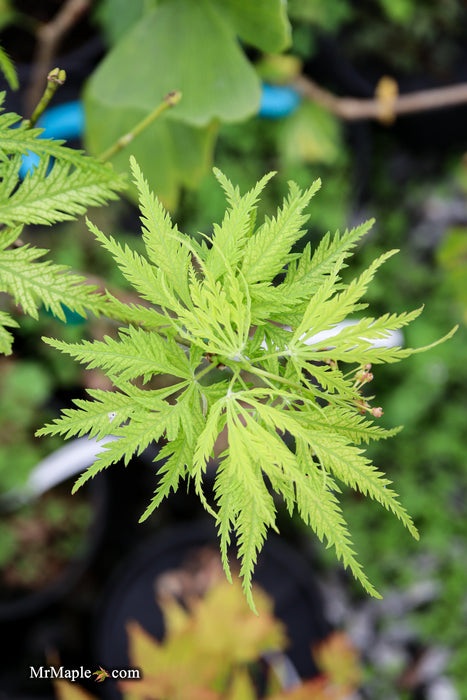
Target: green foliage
<point>64,185</point>
<point>312,135</point>
<point>452,256</point>
<point>191,47</point>
<point>405,34</point>
<point>6,338</point>
<point>116,17</point>
<point>300,148</point>
<point>7,68</point>
<point>216,325</point>
<point>427,395</point>
<point>325,15</point>
<point>52,192</point>
<point>32,283</point>
<point>24,388</point>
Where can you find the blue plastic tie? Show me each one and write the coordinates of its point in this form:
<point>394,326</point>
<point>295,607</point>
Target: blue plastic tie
<point>278,101</point>
<point>64,121</point>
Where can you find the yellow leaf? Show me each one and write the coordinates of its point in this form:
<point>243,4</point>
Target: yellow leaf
<point>316,689</point>
<point>244,635</point>
<point>338,659</point>
<point>242,687</point>
<point>65,690</point>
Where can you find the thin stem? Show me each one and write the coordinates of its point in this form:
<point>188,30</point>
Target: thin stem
<point>171,99</point>
<point>49,37</point>
<point>55,78</point>
<point>181,341</point>
<point>277,355</point>
<point>275,377</point>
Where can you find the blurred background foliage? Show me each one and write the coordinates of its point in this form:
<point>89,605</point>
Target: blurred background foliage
<point>411,176</point>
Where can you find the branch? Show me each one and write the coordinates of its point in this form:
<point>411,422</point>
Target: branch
<point>353,108</point>
<point>48,37</point>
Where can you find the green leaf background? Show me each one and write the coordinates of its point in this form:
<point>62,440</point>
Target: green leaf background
<point>194,48</point>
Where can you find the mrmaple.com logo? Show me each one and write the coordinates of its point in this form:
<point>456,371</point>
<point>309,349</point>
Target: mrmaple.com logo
<point>81,673</point>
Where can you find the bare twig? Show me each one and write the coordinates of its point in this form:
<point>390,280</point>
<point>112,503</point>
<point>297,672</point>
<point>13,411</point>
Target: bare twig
<point>352,108</point>
<point>48,37</point>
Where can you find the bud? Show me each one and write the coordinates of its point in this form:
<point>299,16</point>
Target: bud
<point>377,412</point>
<point>362,406</point>
<point>57,75</point>
<point>363,376</point>
<point>173,97</point>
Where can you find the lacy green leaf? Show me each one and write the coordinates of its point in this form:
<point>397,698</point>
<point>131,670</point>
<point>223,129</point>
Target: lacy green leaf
<point>59,195</point>
<point>285,416</point>
<point>8,69</point>
<point>63,185</point>
<point>6,338</point>
<point>32,283</point>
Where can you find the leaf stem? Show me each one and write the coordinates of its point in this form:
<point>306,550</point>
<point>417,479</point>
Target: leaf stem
<point>55,78</point>
<point>171,99</point>
<point>275,377</point>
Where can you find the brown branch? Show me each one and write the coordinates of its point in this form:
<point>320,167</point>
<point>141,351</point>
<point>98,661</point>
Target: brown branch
<point>48,38</point>
<point>353,108</point>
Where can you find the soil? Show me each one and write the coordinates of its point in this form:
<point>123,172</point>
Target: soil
<point>42,538</point>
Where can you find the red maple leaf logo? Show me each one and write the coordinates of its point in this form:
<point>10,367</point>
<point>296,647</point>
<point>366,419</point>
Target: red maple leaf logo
<point>101,675</point>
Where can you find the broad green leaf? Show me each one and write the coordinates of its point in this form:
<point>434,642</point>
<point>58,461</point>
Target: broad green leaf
<point>171,153</point>
<point>116,17</point>
<point>183,45</point>
<point>262,23</point>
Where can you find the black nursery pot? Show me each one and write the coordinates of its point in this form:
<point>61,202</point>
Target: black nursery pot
<point>281,572</point>
<point>35,621</point>
<point>18,606</point>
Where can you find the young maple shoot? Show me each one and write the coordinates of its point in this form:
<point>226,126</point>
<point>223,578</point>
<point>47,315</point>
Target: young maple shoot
<point>243,356</point>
